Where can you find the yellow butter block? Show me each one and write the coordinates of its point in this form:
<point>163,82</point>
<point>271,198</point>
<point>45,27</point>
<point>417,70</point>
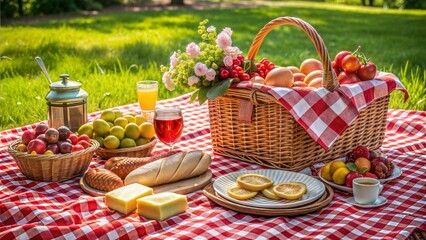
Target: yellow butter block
<point>124,199</point>
<point>161,206</point>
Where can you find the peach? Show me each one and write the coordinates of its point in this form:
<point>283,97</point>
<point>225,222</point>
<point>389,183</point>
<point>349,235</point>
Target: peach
<point>299,77</point>
<point>316,83</point>
<point>310,65</point>
<point>311,76</point>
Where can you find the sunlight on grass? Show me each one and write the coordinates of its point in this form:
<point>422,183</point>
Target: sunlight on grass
<point>109,53</point>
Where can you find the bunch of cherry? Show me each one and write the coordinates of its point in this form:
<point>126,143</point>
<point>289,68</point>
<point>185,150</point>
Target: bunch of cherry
<point>235,71</point>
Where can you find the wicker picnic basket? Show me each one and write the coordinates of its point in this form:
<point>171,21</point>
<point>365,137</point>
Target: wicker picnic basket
<point>138,151</point>
<point>274,138</point>
<point>53,168</point>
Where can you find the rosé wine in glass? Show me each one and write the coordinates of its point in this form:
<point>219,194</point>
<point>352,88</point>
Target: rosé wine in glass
<point>168,124</point>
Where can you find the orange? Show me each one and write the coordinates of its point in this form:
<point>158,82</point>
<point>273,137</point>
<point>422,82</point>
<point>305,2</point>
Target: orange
<point>363,163</point>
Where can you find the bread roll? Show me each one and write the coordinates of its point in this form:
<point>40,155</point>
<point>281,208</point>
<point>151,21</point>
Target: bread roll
<point>102,179</point>
<point>170,169</point>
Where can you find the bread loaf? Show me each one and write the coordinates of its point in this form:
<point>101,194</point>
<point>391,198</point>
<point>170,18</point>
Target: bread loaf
<point>179,166</point>
<point>102,179</point>
<point>122,166</point>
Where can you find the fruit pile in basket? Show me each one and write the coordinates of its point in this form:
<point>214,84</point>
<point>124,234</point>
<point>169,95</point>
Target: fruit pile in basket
<point>49,141</point>
<point>349,67</point>
<point>114,130</point>
<point>361,162</point>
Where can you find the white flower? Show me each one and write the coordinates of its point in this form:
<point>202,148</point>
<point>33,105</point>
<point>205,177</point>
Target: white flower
<point>170,85</point>
<point>210,74</point>
<point>232,51</point>
<point>200,69</point>
<point>223,40</point>
<point>227,60</point>
<point>193,80</point>
<point>211,29</point>
<point>173,60</point>
<point>193,50</point>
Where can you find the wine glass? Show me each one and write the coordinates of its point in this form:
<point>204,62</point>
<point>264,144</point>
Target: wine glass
<point>168,124</point>
<point>147,97</point>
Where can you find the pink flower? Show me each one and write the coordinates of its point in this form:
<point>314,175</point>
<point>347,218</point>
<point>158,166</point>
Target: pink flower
<point>193,50</point>
<point>200,69</point>
<point>193,80</point>
<point>227,31</point>
<point>232,51</point>
<point>228,61</point>
<point>223,40</point>
<point>173,60</point>
<point>210,74</point>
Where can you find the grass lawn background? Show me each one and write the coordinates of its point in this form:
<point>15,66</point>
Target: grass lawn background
<point>110,52</point>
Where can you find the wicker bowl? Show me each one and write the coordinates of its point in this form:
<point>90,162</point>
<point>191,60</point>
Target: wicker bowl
<point>53,168</point>
<point>139,151</point>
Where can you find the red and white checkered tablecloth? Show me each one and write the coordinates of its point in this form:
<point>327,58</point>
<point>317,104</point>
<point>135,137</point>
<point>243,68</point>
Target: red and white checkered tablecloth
<point>42,210</point>
<point>326,115</point>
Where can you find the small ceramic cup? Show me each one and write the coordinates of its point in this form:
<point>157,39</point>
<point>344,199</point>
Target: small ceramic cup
<point>366,190</point>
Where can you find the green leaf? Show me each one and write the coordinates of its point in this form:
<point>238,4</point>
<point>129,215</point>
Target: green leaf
<point>202,95</point>
<point>363,170</point>
<point>194,96</point>
<point>351,166</point>
<point>219,89</point>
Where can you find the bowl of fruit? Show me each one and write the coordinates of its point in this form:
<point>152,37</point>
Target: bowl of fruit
<point>360,162</point>
<point>52,155</point>
<point>128,135</point>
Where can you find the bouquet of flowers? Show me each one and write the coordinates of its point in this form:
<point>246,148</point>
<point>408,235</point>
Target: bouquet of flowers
<point>210,66</point>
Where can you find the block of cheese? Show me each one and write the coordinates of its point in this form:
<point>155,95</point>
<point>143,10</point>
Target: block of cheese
<point>162,205</point>
<point>124,199</point>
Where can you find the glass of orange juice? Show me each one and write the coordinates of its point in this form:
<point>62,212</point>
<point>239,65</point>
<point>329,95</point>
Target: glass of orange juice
<point>147,97</point>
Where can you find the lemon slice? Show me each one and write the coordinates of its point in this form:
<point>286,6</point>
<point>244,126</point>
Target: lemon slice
<point>254,182</point>
<point>240,193</point>
<point>269,193</point>
<point>290,190</point>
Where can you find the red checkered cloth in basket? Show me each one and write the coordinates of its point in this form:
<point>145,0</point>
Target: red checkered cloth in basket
<point>42,210</point>
<point>326,115</point>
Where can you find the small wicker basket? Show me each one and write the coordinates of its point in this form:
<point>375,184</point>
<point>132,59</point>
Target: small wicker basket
<point>53,168</point>
<point>139,151</point>
<point>274,138</point>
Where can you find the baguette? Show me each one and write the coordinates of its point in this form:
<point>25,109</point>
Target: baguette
<point>177,167</point>
<point>102,179</point>
<point>122,166</point>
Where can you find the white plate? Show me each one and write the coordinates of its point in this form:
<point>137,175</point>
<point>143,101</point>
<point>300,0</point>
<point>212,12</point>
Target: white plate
<point>315,188</point>
<point>396,173</point>
<point>379,202</point>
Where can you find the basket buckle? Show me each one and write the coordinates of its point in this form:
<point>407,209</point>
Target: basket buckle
<point>245,109</point>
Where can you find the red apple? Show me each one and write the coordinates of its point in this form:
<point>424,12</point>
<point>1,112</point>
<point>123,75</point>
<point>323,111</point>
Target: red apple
<point>51,135</point>
<point>36,145</point>
<point>27,136</point>
<point>73,138</point>
<point>84,143</point>
<point>77,148</point>
<point>64,133</point>
<point>83,137</point>
<point>65,147</point>
<point>41,128</point>
<point>347,78</point>
<point>53,147</point>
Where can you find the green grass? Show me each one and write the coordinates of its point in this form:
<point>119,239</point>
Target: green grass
<point>109,53</point>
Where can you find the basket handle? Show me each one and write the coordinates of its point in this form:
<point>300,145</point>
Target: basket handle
<point>329,80</point>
